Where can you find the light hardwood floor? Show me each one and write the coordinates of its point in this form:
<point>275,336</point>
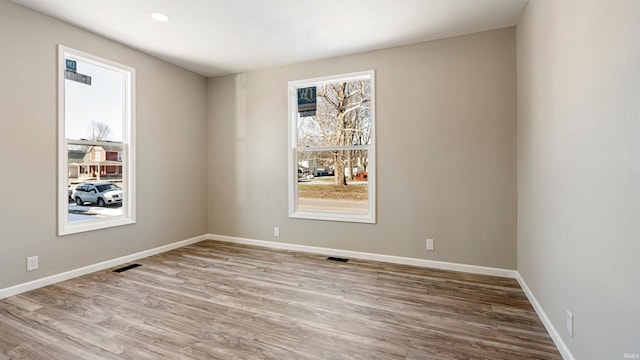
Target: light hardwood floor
<point>214,300</point>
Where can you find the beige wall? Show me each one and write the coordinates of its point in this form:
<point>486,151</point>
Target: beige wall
<point>171,150</point>
<point>446,144</point>
<point>579,169</point>
<point>446,127</point>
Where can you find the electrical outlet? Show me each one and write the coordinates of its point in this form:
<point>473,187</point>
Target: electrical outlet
<point>32,263</point>
<point>276,231</point>
<point>429,243</point>
<point>570,323</point>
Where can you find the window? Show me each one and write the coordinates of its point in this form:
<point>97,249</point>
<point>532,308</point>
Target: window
<point>96,148</point>
<point>332,149</point>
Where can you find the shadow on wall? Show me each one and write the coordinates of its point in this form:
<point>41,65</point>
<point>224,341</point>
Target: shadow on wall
<point>240,162</point>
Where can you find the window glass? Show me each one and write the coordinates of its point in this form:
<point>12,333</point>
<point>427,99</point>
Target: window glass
<point>95,112</point>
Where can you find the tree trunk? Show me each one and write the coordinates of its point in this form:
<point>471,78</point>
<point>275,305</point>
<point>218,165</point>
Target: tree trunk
<point>350,165</point>
<point>339,168</point>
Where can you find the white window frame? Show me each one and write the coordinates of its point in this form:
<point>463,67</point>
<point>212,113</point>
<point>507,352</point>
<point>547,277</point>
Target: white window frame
<point>294,211</point>
<point>128,147</point>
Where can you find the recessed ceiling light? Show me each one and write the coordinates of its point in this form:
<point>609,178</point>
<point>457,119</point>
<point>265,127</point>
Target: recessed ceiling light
<point>158,16</point>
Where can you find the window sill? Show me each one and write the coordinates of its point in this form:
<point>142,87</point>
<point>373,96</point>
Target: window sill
<point>91,225</point>
<point>333,216</point>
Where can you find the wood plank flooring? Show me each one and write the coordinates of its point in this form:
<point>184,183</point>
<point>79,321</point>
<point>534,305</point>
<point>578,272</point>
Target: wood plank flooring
<point>214,300</point>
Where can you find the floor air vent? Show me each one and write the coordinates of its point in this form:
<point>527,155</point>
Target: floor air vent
<point>125,268</point>
<point>337,259</point>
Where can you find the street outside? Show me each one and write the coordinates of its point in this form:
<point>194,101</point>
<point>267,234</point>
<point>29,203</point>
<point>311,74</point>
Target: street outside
<point>88,212</point>
<point>348,206</point>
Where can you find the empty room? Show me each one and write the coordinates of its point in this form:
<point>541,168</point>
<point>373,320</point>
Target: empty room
<point>355,179</point>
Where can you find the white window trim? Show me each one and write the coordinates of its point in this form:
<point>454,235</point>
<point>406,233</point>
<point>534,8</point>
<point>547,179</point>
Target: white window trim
<point>128,147</point>
<point>296,213</point>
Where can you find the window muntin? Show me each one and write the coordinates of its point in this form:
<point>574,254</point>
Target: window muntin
<point>96,123</point>
<point>332,156</point>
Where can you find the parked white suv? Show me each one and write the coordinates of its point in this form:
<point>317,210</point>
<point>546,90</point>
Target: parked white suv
<point>101,193</point>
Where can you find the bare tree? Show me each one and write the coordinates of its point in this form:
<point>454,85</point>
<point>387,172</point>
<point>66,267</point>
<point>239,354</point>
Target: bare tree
<point>343,119</point>
<point>99,131</point>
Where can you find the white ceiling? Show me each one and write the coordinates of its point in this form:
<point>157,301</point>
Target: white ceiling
<point>217,37</point>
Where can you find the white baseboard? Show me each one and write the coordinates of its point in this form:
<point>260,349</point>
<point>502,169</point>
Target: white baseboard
<point>370,256</point>
<point>31,285</point>
<point>553,332</point>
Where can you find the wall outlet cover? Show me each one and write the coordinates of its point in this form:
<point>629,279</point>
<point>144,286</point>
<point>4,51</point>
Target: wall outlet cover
<point>32,263</point>
<point>430,245</point>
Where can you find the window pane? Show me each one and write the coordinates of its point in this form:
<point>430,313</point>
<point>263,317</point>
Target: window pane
<point>95,111</point>
<point>97,168</point>
<point>333,181</point>
<point>342,117</point>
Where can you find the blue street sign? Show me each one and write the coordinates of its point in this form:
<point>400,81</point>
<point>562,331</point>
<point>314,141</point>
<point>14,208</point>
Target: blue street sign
<point>71,65</point>
<point>307,101</point>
